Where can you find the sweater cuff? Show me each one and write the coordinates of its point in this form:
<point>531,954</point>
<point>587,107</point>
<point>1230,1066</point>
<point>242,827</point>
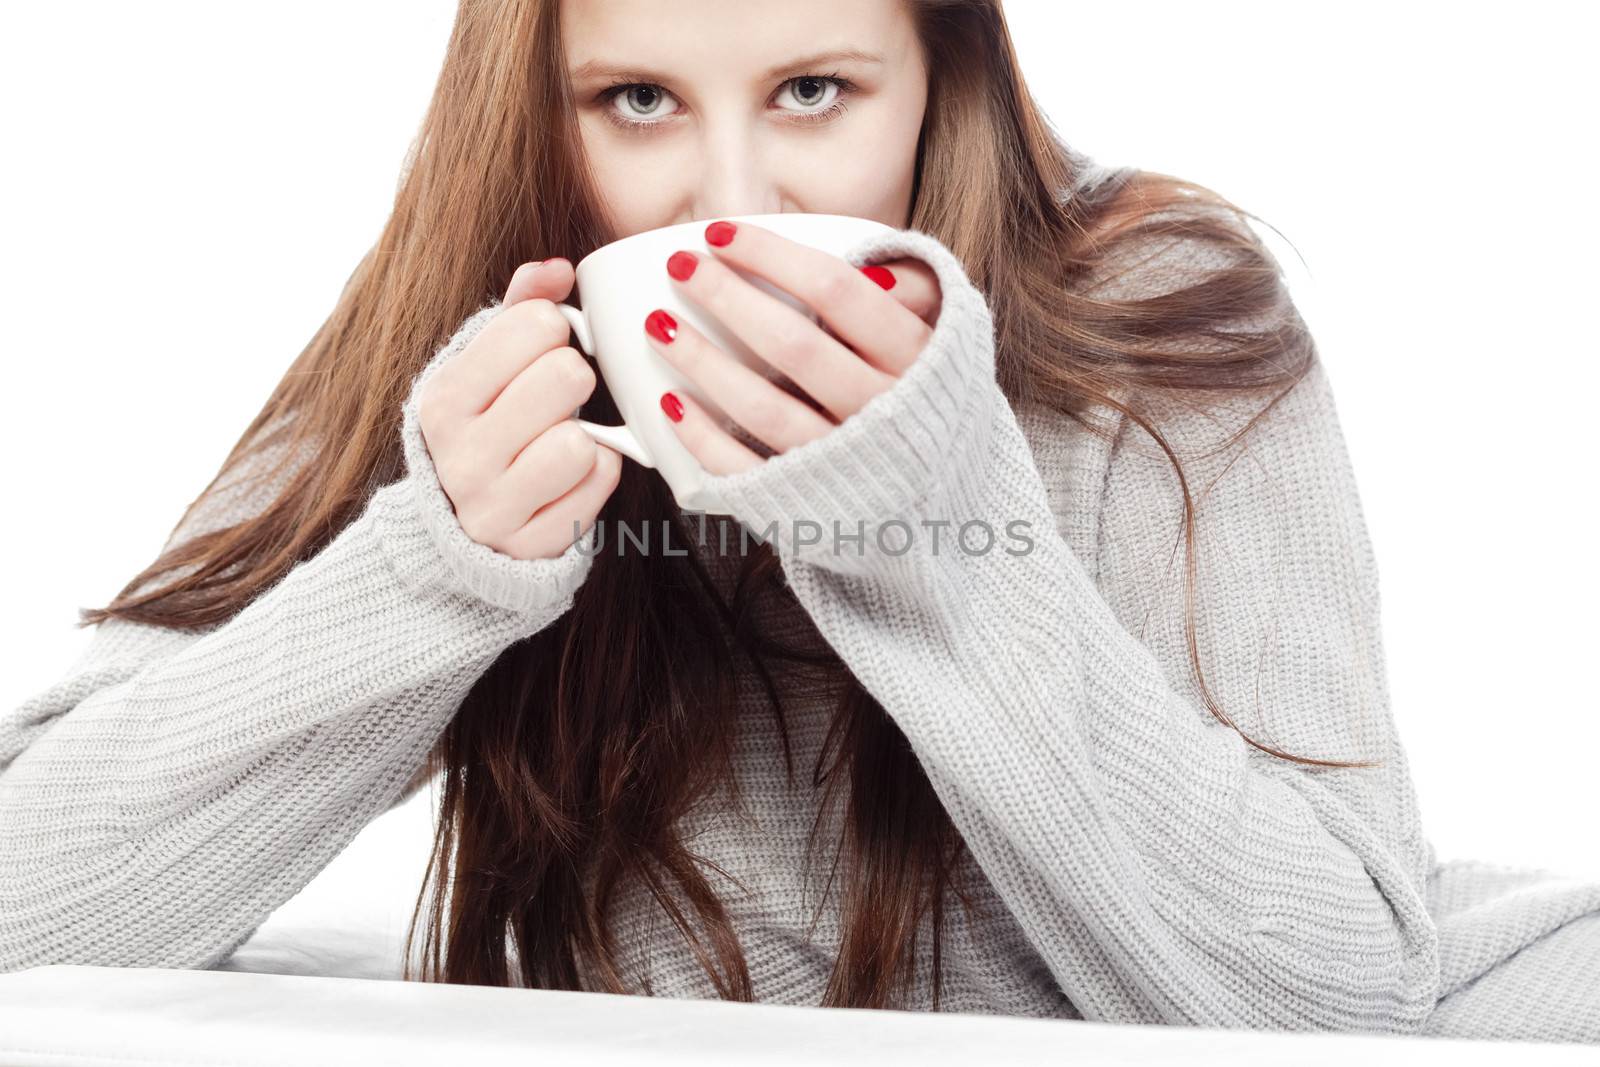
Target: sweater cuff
<point>837,500</point>
<point>447,555</point>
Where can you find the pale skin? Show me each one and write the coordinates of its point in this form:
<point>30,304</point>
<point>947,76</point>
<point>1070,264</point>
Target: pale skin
<point>735,117</point>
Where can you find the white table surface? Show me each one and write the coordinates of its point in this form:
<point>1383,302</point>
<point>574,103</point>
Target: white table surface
<point>67,1016</point>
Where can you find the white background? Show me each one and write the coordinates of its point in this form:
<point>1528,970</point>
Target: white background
<point>188,185</point>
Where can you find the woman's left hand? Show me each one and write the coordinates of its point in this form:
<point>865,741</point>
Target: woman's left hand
<point>877,318</point>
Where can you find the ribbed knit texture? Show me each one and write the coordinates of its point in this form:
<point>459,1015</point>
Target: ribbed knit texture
<point>1140,861</point>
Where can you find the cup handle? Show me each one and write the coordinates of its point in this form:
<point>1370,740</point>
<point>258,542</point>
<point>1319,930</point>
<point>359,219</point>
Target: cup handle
<point>618,437</point>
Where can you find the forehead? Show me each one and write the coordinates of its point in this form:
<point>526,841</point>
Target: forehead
<point>729,40</point>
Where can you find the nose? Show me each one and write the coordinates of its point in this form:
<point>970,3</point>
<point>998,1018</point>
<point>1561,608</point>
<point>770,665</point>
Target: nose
<point>734,179</point>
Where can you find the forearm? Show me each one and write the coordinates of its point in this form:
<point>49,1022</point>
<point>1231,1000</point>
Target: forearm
<point>159,802</point>
<point>1136,837</point>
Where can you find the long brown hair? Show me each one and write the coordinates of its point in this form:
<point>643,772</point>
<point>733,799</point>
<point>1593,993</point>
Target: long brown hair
<point>565,773</point>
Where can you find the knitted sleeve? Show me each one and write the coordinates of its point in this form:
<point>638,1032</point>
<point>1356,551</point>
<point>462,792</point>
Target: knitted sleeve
<point>1164,869</point>
<point>163,798</point>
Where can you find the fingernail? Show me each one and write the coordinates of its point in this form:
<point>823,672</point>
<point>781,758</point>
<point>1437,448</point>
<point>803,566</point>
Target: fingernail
<point>672,406</point>
<point>720,233</point>
<point>882,275</point>
<point>682,264</point>
<point>661,326</point>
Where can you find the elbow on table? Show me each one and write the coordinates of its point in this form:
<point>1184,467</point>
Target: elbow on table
<point>1390,989</point>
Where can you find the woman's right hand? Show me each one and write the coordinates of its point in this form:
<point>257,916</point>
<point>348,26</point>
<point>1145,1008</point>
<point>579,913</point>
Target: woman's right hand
<point>497,420</point>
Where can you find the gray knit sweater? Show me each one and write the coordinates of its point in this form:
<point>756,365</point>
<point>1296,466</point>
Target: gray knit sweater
<point>1140,862</point>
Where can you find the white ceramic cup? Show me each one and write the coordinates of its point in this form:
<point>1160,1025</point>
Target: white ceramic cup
<point>622,282</point>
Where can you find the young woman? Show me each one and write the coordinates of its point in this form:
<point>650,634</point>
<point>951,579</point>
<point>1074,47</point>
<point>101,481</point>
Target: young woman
<point>1126,756</point>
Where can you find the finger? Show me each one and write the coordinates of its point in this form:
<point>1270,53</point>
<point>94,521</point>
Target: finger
<point>884,325</point>
<point>551,464</point>
<point>548,390</point>
<point>550,531</point>
<point>839,379</point>
<point>770,414</point>
<point>711,446</point>
<point>517,335</point>
<point>911,282</point>
<point>548,278</point>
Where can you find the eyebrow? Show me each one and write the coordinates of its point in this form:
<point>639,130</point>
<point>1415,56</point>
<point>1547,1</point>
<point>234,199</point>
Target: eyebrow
<point>595,68</point>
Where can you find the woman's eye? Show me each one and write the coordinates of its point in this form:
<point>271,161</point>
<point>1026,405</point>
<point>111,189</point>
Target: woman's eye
<point>811,93</point>
<point>645,98</point>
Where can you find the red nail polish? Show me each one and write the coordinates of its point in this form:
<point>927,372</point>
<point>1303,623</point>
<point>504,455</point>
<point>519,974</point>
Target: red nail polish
<point>720,233</point>
<point>882,275</point>
<point>661,326</point>
<point>681,264</point>
<point>672,406</point>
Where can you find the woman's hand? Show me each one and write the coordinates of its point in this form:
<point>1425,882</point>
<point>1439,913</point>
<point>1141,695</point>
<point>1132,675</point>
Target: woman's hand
<point>877,319</point>
<point>517,468</point>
